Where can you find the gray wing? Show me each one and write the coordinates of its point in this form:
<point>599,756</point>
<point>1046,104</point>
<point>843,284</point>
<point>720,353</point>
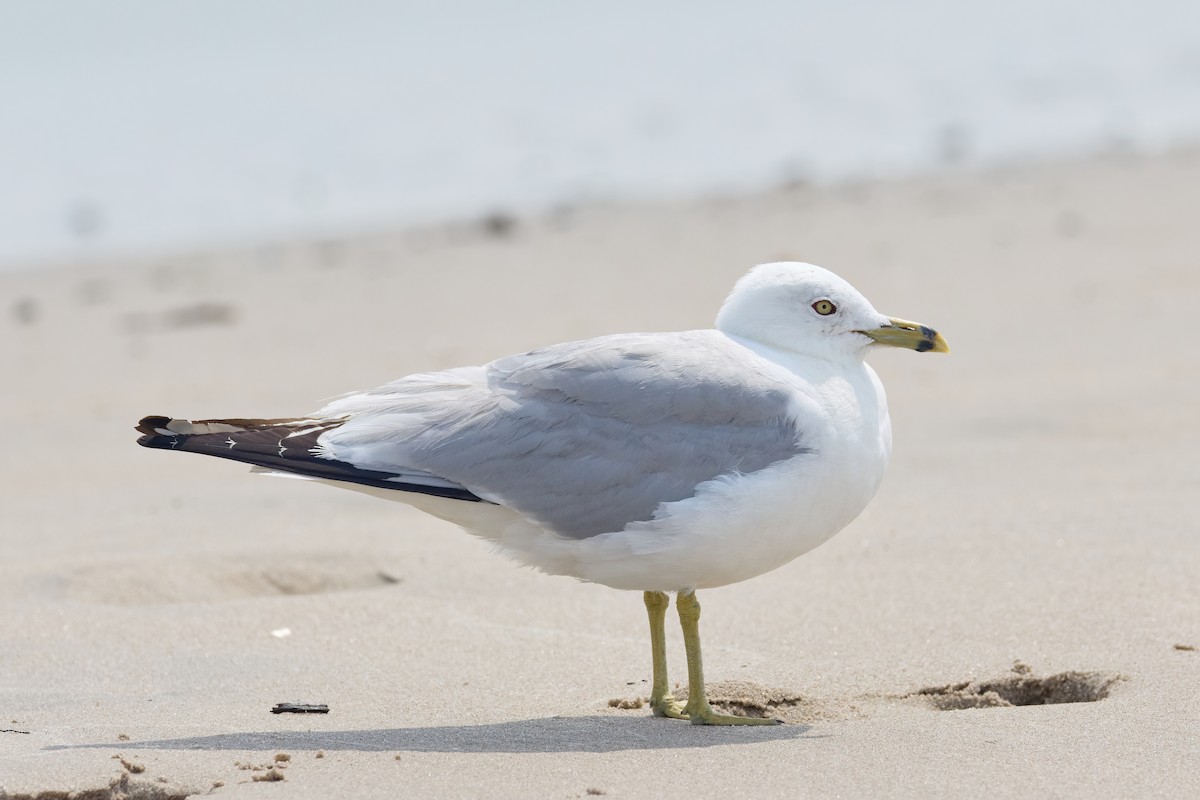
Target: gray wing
<point>585,437</point>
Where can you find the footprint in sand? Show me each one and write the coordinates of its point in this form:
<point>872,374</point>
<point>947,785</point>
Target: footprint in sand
<point>1020,689</point>
<point>208,579</point>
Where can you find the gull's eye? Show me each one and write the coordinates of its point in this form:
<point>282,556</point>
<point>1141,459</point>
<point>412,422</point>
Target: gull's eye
<point>824,307</point>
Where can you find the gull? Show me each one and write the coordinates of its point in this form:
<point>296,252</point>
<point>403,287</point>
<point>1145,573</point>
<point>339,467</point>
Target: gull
<point>653,462</point>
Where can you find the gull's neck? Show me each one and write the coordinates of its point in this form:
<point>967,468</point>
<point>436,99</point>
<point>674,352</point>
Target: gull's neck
<point>805,363</point>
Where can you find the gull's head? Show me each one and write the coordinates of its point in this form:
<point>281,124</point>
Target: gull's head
<point>807,309</point>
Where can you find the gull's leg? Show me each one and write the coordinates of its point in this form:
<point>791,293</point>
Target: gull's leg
<point>697,708</point>
<point>662,702</point>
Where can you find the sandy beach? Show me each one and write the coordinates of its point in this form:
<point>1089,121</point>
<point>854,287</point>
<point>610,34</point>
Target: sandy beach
<point>1037,535</point>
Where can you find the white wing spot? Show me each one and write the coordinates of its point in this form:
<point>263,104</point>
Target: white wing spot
<point>281,447</point>
<point>230,442</point>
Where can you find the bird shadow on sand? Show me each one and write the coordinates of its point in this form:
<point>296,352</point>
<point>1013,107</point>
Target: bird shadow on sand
<point>593,734</point>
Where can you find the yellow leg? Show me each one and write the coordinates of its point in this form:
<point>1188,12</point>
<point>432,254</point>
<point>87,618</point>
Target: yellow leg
<point>662,702</point>
<point>697,708</point>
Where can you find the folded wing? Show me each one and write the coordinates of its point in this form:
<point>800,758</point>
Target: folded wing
<point>582,438</point>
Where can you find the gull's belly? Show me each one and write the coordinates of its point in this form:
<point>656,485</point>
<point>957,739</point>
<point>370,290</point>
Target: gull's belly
<point>739,526</point>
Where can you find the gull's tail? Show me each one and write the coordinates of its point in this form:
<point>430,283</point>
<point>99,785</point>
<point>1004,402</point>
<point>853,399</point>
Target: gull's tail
<point>282,446</point>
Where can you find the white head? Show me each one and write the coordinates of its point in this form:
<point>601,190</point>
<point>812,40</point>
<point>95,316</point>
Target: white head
<point>807,309</point>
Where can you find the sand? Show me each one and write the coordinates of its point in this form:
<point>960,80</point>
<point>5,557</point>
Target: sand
<point>1036,537</point>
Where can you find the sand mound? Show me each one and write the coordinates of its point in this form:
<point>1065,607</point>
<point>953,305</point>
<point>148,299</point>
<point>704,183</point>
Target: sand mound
<point>746,699</point>
<point>122,788</point>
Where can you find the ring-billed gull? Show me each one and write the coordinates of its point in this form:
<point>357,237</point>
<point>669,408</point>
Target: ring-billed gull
<point>659,462</point>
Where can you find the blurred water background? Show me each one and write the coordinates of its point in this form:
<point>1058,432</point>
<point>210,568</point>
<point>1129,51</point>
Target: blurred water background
<point>135,125</point>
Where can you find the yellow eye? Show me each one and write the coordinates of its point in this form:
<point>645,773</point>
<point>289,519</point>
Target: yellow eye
<point>824,307</point>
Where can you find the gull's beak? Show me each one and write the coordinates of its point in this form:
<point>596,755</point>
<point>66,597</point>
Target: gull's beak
<point>913,335</point>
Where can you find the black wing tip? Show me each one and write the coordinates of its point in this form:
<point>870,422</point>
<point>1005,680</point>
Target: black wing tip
<point>155,441</point>
<point>152,428</point>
